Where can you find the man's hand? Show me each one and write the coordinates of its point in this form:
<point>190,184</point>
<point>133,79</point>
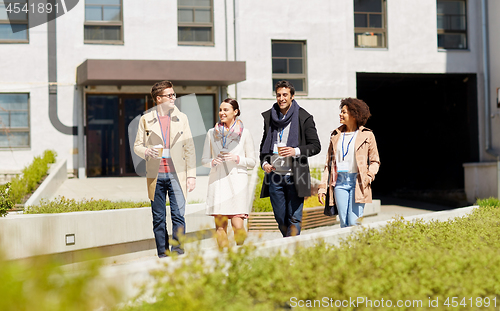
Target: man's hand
<point>268,168</point>
<point>321,198</point>
<point>152,153</point>
<point>191,183</point>
<point>287,152</point>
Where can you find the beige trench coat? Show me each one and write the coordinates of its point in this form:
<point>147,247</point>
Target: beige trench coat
<point>367,159</point>
<point>181,148</point>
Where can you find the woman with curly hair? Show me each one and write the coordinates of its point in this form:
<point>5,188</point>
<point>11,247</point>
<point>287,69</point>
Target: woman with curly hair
<point>351,163</point>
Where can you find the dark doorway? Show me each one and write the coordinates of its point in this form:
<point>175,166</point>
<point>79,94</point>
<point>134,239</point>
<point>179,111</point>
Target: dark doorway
<point>426,128</point>
<point>108,117</point>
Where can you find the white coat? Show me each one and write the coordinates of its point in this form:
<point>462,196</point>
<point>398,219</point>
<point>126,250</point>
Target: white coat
<point>228,182</point>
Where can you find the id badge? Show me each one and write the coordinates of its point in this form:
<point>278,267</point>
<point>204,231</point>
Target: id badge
<point>166,153</point>
<point>343,167</point>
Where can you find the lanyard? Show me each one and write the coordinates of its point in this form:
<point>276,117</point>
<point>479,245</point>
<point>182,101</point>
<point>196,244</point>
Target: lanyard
<point>281,134</point>
<point>224,138</point>
<point>344,154</point>
<point>164,136</point>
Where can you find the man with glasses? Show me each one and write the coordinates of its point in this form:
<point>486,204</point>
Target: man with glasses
<point>289,138</point>
<point>164,140</point>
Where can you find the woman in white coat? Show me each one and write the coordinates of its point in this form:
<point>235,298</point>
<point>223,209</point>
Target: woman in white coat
<point>229,152</point>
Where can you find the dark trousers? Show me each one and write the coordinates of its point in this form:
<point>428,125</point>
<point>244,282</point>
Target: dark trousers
<point>287,205</point>
<point>167,184</point>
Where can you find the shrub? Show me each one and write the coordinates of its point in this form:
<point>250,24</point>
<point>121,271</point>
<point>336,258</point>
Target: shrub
<point>416,262</point>
<point>31,176</point>
<point>492,202</point>
<point>40,284</point>
<point>5,199</point>
<point>64,205</point>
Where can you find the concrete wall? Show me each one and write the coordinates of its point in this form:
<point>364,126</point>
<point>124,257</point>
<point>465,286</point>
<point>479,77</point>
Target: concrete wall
<point>118,232</point>
<point>494,72</point>
<point>57,175</point>
<point>333,61</point>
<point>481,180</point>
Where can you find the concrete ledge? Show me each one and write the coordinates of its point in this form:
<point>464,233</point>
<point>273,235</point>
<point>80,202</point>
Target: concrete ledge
<point>129,276</point>
<point>58,173</point>
<point>117,232</point>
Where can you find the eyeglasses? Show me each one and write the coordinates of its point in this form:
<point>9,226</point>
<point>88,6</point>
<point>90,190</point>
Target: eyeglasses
<point>173,95</point>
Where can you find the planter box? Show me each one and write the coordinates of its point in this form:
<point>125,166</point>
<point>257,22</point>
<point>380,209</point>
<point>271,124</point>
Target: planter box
<point>121,234</point>
<point>312,218</point>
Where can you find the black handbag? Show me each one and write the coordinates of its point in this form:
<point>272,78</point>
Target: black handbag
<point>330,210</point>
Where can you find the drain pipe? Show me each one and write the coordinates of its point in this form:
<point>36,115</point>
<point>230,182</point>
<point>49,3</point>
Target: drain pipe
<point>487,104</point>
<point>234,42</point>
<point>52,64</point>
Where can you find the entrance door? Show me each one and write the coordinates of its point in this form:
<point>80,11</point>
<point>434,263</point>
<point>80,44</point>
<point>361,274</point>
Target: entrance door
<point>108,149</point>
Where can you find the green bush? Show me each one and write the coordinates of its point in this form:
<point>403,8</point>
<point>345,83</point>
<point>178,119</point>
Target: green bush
<point>5,199</point>
<point>40,284</point>
<point>264,204</point>
<point>412,262</point>
<point>64,205</point>
<point>31,176</point>
<point>493,202</point>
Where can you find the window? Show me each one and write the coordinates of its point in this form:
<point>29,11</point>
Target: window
<point>195,21</point>
<point>14,120</point>
<point>14,30</point>
<point>289,63</point>
<point>370,24</point>
<point>452,24</point>
<point>103,21</point>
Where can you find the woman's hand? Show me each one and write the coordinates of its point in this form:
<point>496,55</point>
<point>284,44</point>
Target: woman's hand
<point>217,161</point>
<point>321,198</point>
<point>230,157</point>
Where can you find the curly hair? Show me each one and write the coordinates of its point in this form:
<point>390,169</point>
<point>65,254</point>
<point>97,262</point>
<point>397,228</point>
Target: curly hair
<point>357,108</point>
<point>159,87</point>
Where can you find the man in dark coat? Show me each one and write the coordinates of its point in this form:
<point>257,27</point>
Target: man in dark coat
<point>289,138</point>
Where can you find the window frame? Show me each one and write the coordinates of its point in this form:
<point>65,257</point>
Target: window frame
<point>19,130</point>
<point>289,76</point>
<point>441,31</point>
<point>105,24</point>
<point>196,25</point>
<point>383,31</point>
<point>19,22</point>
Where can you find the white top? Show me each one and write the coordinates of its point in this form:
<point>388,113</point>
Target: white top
<point>348,140</point>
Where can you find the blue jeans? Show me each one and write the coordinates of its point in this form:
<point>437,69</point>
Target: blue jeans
<point>287,205</point>
<point>167,183</point>
<point>349,210</point>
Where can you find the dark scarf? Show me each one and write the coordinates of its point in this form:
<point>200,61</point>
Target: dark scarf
<point>292,116</point>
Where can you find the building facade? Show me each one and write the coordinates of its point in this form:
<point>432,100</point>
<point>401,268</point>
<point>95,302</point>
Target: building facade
<point>425,68</point>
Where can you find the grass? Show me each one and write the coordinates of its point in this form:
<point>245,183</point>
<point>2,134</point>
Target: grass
<point>65,205</point>
<point>418,263</point>
<point>421,263</point>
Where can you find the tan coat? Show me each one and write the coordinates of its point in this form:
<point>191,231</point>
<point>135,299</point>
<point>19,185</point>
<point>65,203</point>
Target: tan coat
<point>181,148</point>
<point>367,159</point>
